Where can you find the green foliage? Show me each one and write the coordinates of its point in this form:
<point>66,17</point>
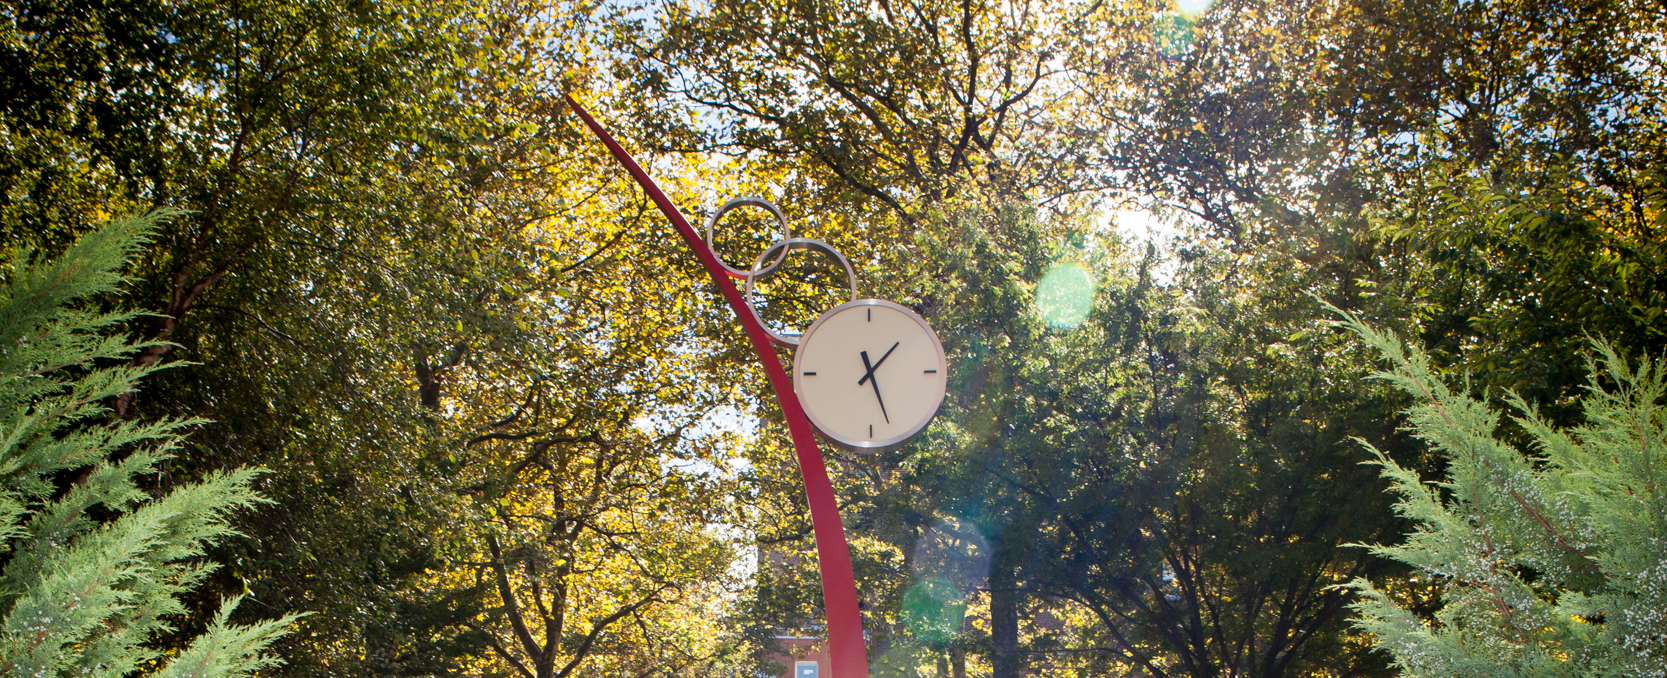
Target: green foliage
<point>93,566</point>
<point>1282,121</point>
<point>1512,278</point>
<point>1550,564</point>
<point>905,106</point>
<point>482,371</point>
<point>1147,489</point>
<point>416,297</point>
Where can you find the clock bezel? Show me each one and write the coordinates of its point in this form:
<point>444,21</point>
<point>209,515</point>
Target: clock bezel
<point>884,443</point>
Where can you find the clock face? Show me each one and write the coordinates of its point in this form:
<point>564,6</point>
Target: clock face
<point>870,373</point>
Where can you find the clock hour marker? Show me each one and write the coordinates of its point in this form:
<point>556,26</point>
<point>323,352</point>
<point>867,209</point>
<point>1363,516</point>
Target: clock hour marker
<point>810,374</point>
<point>871,430</point>
<point>931,371</point>
<point>871,315</point>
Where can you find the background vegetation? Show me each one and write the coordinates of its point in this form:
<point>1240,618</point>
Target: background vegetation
<point>509,430</point>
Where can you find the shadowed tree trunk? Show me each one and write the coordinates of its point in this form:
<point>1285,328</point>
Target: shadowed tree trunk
<point>1007,661</point>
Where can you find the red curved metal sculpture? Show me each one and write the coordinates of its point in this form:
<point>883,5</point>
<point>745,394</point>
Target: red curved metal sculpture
<point>848,654</point>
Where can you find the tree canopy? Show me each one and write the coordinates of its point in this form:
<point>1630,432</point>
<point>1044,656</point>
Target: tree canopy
<point>507,429</point>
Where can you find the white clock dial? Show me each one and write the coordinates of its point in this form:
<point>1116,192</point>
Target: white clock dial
<point>870,373</point>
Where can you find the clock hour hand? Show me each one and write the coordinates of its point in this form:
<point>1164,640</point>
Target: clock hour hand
<point>875,382</point>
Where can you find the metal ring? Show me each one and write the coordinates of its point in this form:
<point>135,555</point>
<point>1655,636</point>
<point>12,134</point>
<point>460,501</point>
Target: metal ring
<point>744,201</point>
<point>787,245</point>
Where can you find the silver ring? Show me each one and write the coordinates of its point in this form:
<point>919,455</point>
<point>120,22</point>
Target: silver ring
<point>744,201</point>
<point>787,245</point>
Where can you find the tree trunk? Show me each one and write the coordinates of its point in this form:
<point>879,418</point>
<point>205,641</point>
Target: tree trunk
<point>1004,615</point>
<point>184,295</point>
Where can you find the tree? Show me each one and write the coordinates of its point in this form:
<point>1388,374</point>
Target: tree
<point>93,566</point>
<point>1280,122</point>
<point>295,133</point>
<point>905,104</point>
<point>1204,492</point>
<point>1164,484</point>
<point>902,123</point>
<point>388,231</point>
<point>1174,469</point>
<point>1512,279</point>
<point>1549,563</point>
<point>1038,429</point>
<point>585,503</point>
<point>1492,165</point>
<point>593,548</point>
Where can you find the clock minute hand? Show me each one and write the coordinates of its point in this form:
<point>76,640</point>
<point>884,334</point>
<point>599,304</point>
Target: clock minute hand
<point>875,382</point>
<point>876,366</point>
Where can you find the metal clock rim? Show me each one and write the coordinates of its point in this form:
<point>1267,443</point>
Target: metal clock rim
<point>787,245</point>
<point>875,446</point>
<point>745,201</point>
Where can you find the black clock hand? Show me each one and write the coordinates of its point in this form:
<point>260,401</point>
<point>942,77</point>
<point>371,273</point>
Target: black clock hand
<point>875,382</point>
<point>876,366</point>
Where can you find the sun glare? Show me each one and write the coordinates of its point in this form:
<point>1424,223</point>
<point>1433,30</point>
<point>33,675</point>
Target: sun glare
<point>1194,7</point>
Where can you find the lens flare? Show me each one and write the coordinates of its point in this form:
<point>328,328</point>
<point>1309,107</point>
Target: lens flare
<point>1064,296</point>
<point>933,610</point>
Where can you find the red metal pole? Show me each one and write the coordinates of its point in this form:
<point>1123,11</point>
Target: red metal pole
<point>849,656</point>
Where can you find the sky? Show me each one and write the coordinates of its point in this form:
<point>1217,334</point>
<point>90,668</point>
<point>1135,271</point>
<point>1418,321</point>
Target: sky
<point>1140,224</point>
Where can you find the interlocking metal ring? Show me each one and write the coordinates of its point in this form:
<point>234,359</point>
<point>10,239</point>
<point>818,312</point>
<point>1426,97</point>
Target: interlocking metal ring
<point>787,245</point>
<point>745,201</point>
